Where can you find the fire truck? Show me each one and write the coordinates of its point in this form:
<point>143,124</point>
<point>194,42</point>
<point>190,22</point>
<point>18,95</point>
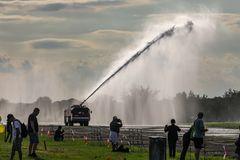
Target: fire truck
<point>77,114</point>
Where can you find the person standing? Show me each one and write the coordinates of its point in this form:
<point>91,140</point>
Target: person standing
<point>198,134</point>
<point>172,137</point>
<point>17,138</point>
<point>8,132</point>
<point>237,143</point>
<point>115,126</point>
<point>237,150</point>
<point>185,143</point>
<point>33,132</point>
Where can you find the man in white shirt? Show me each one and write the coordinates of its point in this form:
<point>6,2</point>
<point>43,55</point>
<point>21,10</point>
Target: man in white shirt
<point>17,138</point>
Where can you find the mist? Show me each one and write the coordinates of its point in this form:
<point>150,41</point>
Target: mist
<point>136,94</point>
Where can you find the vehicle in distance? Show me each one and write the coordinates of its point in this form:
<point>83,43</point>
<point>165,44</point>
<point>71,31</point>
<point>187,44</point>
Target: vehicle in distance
<point>77,114</point>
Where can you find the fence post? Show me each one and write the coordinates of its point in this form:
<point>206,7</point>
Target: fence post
<point>45,145</point>
<point>130,136</point>
<point>157,148</point>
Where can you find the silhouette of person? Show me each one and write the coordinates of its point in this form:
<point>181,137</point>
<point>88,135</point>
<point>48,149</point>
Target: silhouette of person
<point>237,143</point>
<point>33,132</point>
<point>115,126</point>
<point>59,134</point>
<point>8,132</point>
<point>186,141</point>
<point>17,138</point>
<point>198,134</point>
<point>172,137</point>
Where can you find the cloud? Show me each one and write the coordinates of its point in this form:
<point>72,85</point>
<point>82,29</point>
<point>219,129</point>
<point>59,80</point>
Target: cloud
<point>52,7</point>
<point>27,18</point>
<point>57,43</point>
<point>219,72</point>
<point>112,40</point>
<point>7,65</point>
<point>26,65</point>
<point>231,20</point>
<point>112,31</point>
<point>100,40</point>
<point>56,5</point>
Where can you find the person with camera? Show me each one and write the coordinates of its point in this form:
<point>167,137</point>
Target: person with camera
<point>115,126</point>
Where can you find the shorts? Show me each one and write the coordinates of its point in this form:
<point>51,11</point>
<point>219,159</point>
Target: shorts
<point>17,144</point>
<point>113,137</point>
<point>198,143</point>
<point>33,138</point>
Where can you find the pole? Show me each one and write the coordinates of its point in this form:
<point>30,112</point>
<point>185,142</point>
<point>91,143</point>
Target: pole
<point>45,145</point>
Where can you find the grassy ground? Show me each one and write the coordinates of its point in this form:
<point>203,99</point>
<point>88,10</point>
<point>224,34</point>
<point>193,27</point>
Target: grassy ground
<point>78,150</point>
<point>230,125</point>
<point>73,150</point>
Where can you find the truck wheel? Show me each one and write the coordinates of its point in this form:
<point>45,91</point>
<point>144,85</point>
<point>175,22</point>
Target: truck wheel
<point>85,123</point>
<point>81,124</point>
<point>66,124</point>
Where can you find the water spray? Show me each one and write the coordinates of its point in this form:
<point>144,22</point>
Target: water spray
<point>169,33</point>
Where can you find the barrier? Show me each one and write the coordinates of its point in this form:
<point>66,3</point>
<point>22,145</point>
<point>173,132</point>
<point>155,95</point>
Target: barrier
<point>134,136</point>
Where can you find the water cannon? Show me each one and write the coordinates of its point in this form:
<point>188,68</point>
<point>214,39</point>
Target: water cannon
<point>168,33</point>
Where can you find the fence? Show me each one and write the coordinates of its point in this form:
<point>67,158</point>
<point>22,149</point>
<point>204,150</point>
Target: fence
<point>214,144</point>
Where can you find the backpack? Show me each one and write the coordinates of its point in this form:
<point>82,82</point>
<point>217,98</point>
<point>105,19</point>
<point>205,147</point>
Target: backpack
<point>237,142</point>
<point>24,131</point>
<point>192,131</point>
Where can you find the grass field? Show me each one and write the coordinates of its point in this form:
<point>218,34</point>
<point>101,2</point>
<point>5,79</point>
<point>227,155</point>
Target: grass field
<point>78,150</point>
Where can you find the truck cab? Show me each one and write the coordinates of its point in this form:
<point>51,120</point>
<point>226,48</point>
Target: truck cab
<point>77,114</point>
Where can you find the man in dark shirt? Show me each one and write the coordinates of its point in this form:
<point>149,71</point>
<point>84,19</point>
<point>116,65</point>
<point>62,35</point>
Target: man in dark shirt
<point>172,137</point>
<point>33,132</point>
<point>115,126</point>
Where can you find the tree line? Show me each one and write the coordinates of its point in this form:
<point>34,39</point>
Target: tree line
<point>138,106</point>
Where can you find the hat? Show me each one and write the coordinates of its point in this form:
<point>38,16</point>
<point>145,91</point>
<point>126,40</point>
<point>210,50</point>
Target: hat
<point>9,116</point>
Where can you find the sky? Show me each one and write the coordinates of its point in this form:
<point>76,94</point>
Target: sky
<point>62,49</point>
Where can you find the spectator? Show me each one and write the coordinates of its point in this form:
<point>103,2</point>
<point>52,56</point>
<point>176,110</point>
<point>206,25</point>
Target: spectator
<point>172,137</point>
<point>8,132</point>
<point>198,134</point>
<point>237,143</point>
<point>33,132</point>
<point>186,141</point>
<point>17,138</point>
<point>115,126</point>
<point>59,134</point>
